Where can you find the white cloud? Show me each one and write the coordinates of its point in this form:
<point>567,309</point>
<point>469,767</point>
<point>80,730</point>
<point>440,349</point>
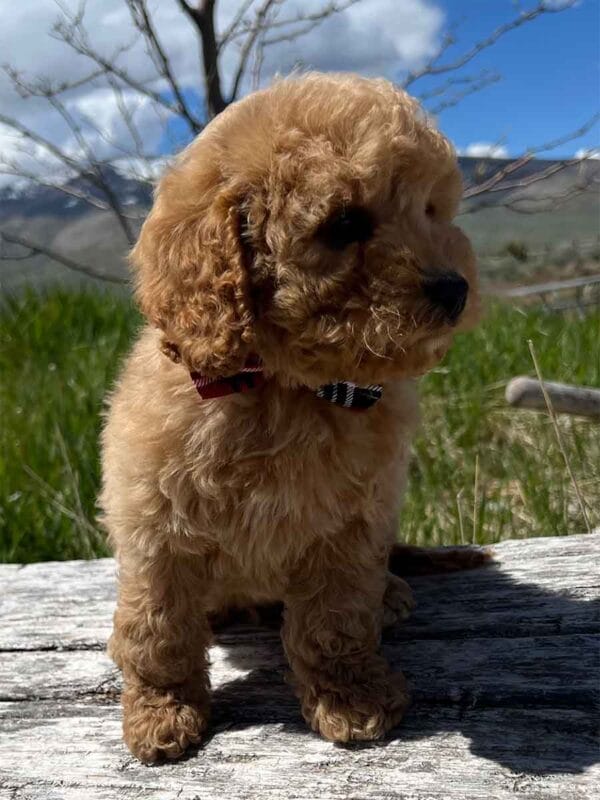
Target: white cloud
<point>381,37</point>
<point>142,169</point>
<point>485,150</point>
<point>28,157</point>
<point>559,4</point>
<point>588,152</point>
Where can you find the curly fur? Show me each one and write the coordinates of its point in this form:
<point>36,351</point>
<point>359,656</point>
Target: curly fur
<point>275,495</point>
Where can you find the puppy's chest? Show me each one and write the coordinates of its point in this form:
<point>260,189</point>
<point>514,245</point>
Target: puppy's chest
<point>275,484</point>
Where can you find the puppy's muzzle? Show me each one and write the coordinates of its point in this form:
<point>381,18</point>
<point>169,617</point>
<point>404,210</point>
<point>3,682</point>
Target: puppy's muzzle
<point>447,291</point>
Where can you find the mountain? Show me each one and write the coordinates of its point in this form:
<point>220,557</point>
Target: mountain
<point>71,226</point>
<point>34,201</point>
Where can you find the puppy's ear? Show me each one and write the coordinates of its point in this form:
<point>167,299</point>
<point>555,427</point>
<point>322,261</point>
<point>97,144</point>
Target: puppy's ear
<point>192,282</point>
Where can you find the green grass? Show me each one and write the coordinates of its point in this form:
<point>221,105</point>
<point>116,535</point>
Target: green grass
<point>523,487</point>
<point>59,354</point>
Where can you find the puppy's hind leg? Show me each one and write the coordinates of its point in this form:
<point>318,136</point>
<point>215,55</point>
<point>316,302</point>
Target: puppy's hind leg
<point>160,640</point>
<point>398,601</point>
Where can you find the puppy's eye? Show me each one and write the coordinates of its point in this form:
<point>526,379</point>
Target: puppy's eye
<point>430,210</point>
<point>346,227</point>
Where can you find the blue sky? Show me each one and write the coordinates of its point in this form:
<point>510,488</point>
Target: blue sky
<point>550,77</point>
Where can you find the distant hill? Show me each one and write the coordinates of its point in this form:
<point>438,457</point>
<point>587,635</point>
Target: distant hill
<point>71,226</point>
<point>576,218</point>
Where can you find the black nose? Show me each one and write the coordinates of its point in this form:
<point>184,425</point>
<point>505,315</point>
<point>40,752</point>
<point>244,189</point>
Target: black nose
<point>448,291</point>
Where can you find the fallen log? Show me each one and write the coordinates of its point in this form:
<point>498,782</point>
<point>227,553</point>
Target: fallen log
<point>581,401</point>
<point>503,663</point>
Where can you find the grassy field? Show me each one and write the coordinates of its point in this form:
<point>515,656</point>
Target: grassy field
<point>480,471</point>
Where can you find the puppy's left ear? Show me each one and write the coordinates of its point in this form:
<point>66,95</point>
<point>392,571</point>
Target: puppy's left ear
<point>192,281</point>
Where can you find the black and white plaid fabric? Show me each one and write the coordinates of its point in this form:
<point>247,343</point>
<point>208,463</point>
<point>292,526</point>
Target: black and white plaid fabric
<point>349,395</point>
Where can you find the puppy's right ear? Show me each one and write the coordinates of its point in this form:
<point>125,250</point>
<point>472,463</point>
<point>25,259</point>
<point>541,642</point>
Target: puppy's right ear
<point>192,282</point>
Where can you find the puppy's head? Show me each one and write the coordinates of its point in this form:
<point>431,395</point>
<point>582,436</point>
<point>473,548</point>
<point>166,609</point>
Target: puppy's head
<point>311,224</point>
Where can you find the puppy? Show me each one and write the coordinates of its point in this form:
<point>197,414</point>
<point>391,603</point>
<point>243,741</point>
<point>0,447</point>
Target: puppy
<point>298,270</point>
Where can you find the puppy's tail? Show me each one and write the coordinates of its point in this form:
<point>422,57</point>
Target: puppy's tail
<point>406,560</point>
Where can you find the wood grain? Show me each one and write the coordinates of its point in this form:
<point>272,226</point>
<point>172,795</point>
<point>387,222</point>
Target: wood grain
<point>503,661</point>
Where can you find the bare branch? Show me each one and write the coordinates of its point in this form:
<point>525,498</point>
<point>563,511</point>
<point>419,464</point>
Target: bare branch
<point>36,138</point>
<point>254,26</point>
<point>449,83</point>
<point>194,13</point>
<point>70,31</point>
<point>127,117</point>
<point>88,165</point>
<point>333,7</point>
<point>470,88</point>
<point>257,65</point>
<point>66,187</point>
<point>549,202</point>
<point>143,23</point>
<point>45,89</point>
<point>234,25</point>
<point>567,137</point>
<point>291,36</point>
<point>261,15</point>
<point>25,89</point>
<point>541,175</point>
<point>97,175</point>
<point>8,168</point>
<point>433,68</point>
<point>111,141</point>
<point>203,17</point>
<point>257,33</point>
<point>38,249</point>
<point>532,204</point>
<point>495,182</point>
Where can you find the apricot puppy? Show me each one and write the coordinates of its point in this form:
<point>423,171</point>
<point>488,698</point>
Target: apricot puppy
<point>298,269</point>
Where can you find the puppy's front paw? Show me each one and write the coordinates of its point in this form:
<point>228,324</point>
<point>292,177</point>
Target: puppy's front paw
<point>398,601</point>
<point>356,713</point>
<point>158,725</point>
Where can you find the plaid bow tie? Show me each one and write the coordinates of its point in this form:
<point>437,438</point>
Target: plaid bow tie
<point>343,393</point>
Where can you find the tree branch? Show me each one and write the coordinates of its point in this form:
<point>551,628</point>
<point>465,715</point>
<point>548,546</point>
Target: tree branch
<point>333,7</point>
<point>234,25</point>
<point>38,139</point>
<point>432,68</point>
<point>472,86</point>
<point>58,88</point>
<point>8,168</point>
<point>97,175</point>
<point>495,182</point>
<point>261,16</point>
<point>127,117</point>
<point>549,201</point>
<point>70,31</point>
<point>203,18</point>
<point>38,249</point>
<point>143,23</point>
<point>257,33</point>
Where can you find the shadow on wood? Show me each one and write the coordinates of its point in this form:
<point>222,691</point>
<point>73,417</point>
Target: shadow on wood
<point>534,681</point>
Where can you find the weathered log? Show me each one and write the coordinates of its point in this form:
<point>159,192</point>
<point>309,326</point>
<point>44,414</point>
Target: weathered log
<point>548,287</point>
<point>582,401</point>
<point>503,662</point>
